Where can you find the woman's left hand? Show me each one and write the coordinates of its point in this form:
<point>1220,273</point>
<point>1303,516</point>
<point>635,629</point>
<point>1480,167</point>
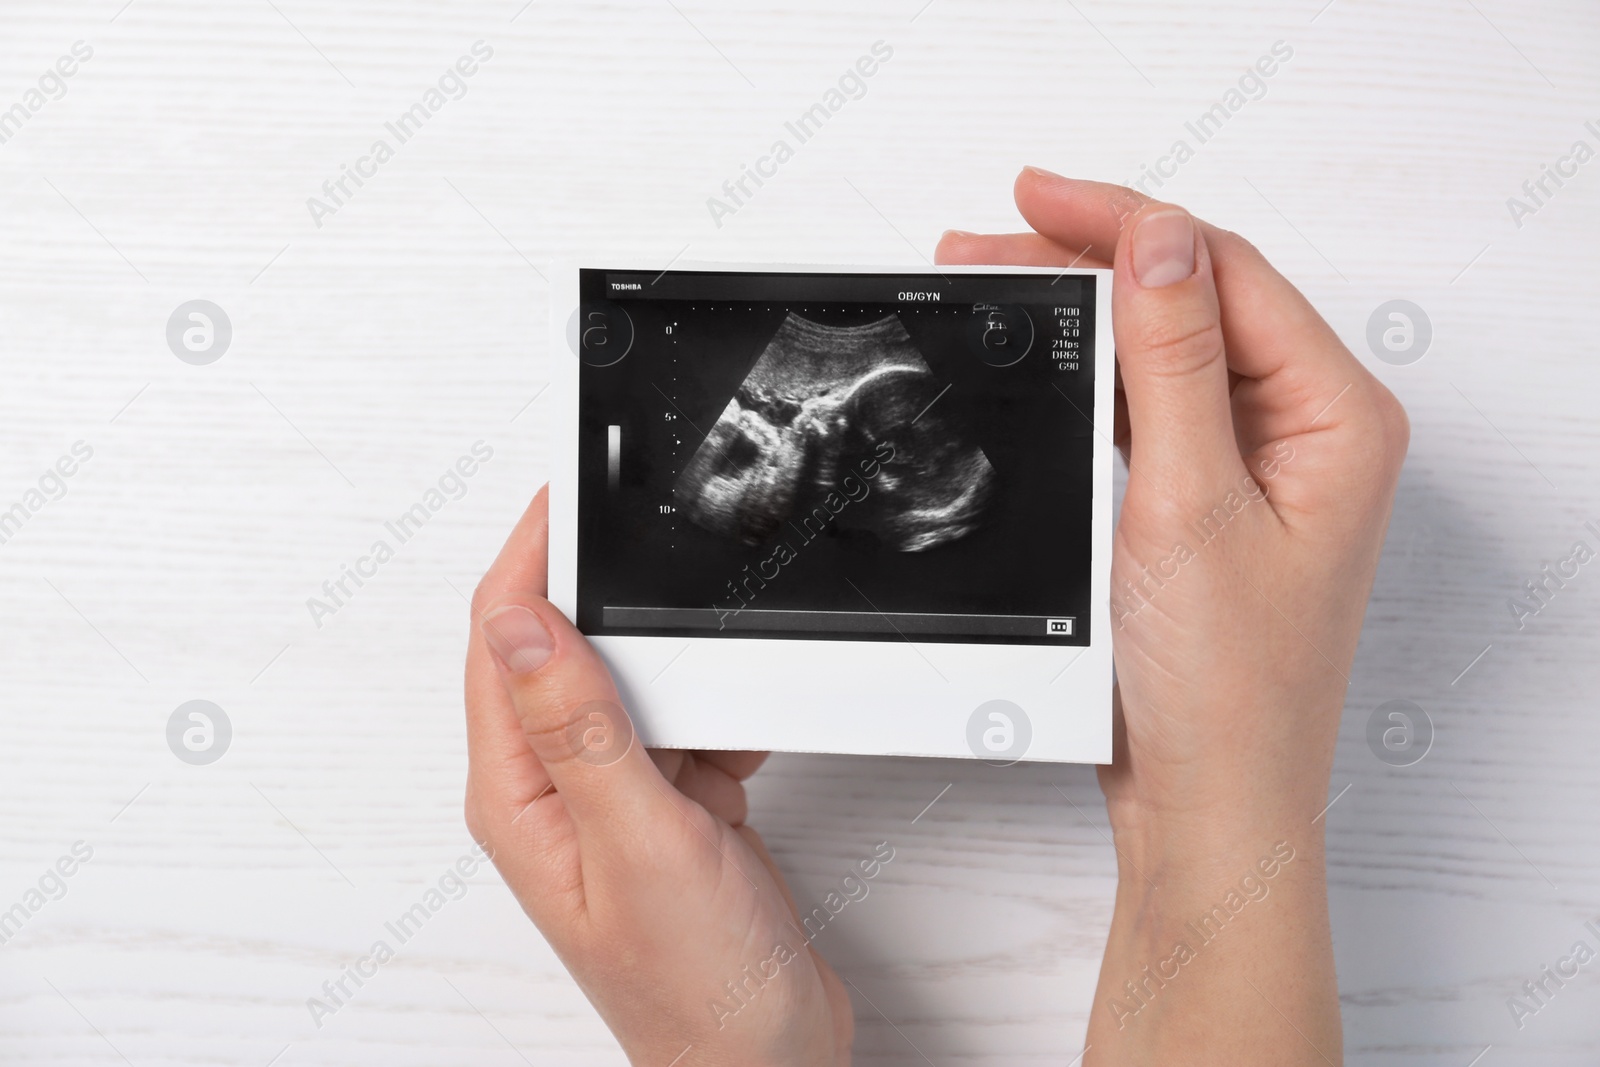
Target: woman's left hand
<point>636,866</point>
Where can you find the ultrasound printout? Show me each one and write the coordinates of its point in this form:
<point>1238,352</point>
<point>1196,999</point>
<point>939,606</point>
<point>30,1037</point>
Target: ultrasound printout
<point>834,456</point>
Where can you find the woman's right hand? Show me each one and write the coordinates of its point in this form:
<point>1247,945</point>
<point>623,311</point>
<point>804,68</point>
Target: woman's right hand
<point>1263,459</point>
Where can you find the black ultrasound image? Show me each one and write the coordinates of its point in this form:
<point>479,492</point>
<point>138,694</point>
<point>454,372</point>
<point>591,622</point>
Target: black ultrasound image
<point>769,460</point>
<point>817,396</point>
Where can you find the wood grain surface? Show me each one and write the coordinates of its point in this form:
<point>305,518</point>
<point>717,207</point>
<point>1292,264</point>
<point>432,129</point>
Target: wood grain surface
<point>370,351</point>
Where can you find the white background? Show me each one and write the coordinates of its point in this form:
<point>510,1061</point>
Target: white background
<point>371,352</point>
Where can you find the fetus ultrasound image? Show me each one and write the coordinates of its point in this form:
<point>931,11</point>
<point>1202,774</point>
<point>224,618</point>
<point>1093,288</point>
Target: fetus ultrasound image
<point>840,457</point>
<point>818,397</point>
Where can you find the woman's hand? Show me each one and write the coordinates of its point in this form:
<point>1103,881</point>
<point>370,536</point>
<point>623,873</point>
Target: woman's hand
<point>1262,466</point>
<point>636,866</point>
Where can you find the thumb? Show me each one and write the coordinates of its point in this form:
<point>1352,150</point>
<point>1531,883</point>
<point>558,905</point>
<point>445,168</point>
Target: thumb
<point>1168,328</point>
<point>571,716</point>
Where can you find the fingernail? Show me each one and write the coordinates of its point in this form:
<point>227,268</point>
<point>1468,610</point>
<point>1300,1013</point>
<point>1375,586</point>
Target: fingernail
<point>1163,249</point>
<point>958,233</point>
<point>1040,172</point>
<point>518,638</point>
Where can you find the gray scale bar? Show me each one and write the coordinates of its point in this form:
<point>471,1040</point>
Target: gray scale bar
<point>853,622</point>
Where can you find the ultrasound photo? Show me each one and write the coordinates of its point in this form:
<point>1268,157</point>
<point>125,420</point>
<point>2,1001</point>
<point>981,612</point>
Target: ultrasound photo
<point>824,403</point>
<point>835,456</point>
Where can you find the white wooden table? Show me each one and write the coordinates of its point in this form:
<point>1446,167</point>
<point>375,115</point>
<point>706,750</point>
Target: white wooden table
<point>368,353</point>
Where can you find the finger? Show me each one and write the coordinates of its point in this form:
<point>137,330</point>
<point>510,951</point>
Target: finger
<point>524,559</point>
<point>669,761</point>
<point>510,805</point>
<point>1168,327</point>
<point>1076,214</point>
<point>572,719</point>
<point>1020,249</point>
<point>712,788</point>
<point>738,765</point>
<point>503,775</point>
<point>1298,375</point>
<point>1272,331</point>
<point>706,781</point>
<point>1119,423</point>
